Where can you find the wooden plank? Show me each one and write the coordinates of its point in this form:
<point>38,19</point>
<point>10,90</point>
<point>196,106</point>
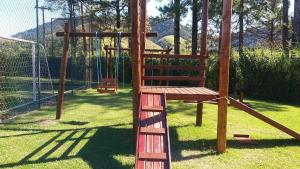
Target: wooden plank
<point>266,119</point>
<point>167,140</point>
<point>152,156</point>
<point>149,145</point>
<point>241,135</point>
<point>224,76</point>
<point>174,56</point>
<point>171,67</point>
<point>63,72</point>
<point>102,34</point>
<point>148,130</point>
<point>170,78</point>
<point>156,138</point>
<point>142,137</point>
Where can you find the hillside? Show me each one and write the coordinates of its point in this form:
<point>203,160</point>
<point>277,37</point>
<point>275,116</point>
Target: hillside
<point>165,28</point>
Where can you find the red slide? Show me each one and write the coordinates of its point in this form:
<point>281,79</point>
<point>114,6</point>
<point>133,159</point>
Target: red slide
<point>153,143</point>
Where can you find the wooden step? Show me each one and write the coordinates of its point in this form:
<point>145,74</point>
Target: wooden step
<point>154,109</point>
<point>152,156</point>
<point>148,130</point>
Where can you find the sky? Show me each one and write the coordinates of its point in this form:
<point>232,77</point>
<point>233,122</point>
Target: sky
<point>19,15</point>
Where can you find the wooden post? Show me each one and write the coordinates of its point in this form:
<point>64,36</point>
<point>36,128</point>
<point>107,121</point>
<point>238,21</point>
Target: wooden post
<point>224,76</point>
<point>143,34</point>
<point>63,72</point>
<point>203,56</point>
<point>136,59</point>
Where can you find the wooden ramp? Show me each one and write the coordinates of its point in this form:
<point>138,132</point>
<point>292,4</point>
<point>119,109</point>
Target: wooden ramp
<point>266,119</point>
<point>153,143</point>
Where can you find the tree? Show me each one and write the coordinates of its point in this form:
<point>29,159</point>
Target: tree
<point>296,24</point>
<point>241,27</point>
<point>195,20</point>
<point>285,26</point>
<point>175,10</point>
<point>176,26</point>
<point>215,13</point>
<point>268,16</point>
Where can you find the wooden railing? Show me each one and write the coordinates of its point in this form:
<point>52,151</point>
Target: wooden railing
<point>171,67</point>
<point>164,65</point>
<point>171,56</point>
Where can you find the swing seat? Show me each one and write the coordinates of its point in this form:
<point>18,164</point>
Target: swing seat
<point>108,85</point>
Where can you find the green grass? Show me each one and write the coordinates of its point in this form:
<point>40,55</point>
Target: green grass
<point>95,132</point>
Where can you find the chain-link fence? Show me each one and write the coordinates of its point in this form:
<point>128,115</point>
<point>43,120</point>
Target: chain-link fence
<point>28,46</point>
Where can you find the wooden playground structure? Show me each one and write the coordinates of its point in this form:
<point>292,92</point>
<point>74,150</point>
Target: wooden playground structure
<point>150,102</point>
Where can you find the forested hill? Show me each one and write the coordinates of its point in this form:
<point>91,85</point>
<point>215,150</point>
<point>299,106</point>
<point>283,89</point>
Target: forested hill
<point>164,28</point>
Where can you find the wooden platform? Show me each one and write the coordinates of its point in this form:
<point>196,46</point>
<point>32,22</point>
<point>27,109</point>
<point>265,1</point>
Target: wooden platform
<point>182,93</point>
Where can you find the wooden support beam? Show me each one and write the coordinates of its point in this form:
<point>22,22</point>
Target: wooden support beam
<point>143,37</point>
<point>136,59</point>
<point>63,72</point>
<point>102,34</point>
<point>203,56</point>
<point>224,76</point>
<point>260,116</point>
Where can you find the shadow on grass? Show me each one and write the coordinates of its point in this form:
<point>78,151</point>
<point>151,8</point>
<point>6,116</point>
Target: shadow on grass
<point>182,108</point>
<point>263,106</point>
<point>120,101</point>
<point>75,123</point>
<point>103,144</point>
<point>207,147</point>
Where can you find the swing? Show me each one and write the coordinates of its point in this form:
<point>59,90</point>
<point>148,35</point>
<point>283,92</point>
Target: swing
<point>107,85</point>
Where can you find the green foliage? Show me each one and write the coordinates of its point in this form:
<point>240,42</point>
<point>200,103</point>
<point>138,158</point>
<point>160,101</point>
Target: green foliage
<point>270,76</point>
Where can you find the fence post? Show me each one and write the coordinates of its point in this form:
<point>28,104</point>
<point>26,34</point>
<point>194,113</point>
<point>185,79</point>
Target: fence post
<point>33,55</point>
<point>38,53</point>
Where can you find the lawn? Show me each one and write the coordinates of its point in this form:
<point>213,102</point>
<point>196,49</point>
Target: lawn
<point>96,132</point>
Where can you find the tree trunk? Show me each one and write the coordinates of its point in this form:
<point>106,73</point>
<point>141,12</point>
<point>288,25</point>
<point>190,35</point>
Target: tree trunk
<point>118,14</point>
<point>128,23</point>
<point>271,33</point>
<point>297,20</point>
<point>285,28</point>
<point>241,27</point>
<point>220,37</point>
<point>83,29</point>
<point>177,26</point>
<point>86,74</point>
<point>195,10</point>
